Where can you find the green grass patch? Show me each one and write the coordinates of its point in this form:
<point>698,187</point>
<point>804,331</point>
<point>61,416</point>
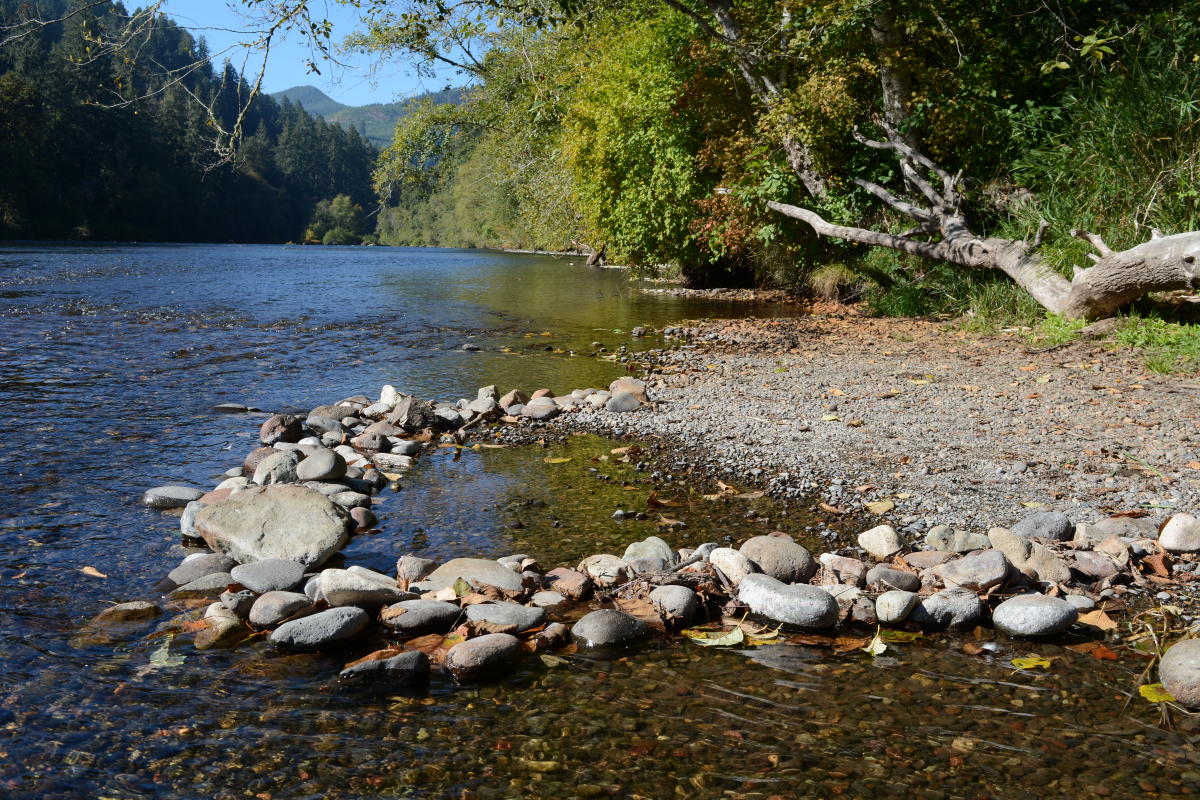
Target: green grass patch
<point>1166,347</point>
<point>1054,331</point>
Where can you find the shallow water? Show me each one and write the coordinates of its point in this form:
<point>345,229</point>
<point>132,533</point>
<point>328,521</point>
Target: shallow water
<point>111,360</point>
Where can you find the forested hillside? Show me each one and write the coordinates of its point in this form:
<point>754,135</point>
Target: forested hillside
<point>375,122</point>
<point>79,163</point>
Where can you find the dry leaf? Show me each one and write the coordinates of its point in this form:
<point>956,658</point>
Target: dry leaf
<point>1155,693</point>
<point>830,509</point>
<point>880,507</point>
<point>1098,619</point>
<point>654,501</point>
<point>831,418</point>
<point>1094,649</point>
<point>378,655</point>
<point>93,572</point>
<point>1158,564</point>
<point>642,609</point>
<point>855,423</point>
<point>391,612</point>
<point>479,627</point>
<point>556,459</point>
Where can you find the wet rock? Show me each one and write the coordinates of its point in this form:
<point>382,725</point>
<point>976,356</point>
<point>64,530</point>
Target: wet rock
<point>650,547</point>
<point>187,520</point>
<point>522,618</point>
<point>322,425</point>
<point>254,457</point>
<point>323,465</point>
<point>1052,525</point>
<point>570,583</point>
<point>197,566</point>
<point>325,629</point>
<point>893,607</point>
<point>350,500</point>
<point>882,577</point>
<point>418,617</point>
<point>881,542</point>
<point>941,537</point>
<point>281,428</point>
<point>676,603</point>
<point>269,575</point>
<point>622,402</point>
<point>978,571</point>
<point>223,629</point>
<point>1179,672</point>
<point>606,570</point>
<point>609,628</point>
<point>474,570</point>
<point>209,585</point>
<point>412,414</point>
<point>732,564</point>
<point>364,518</point>
<point>1181,534</point>
<point>796,604</point>
<point>372,443</point>
<point>341,587</point>
<point>277,468</point>
<point>631,386</point>
<point>782,559</point>
<point>844,570</point>
<point>1034,615</point>
<point>165,497</point>
<point>239,602</point>
<point>487,656</point>
<point>954,608</point>
<point>273,608</point>
<point>135,611</point>
<point>403,670</point>
<point>289,522</point>
<point>412,568</point>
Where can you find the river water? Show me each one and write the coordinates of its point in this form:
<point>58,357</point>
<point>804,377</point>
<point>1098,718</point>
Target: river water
<point>111,360</point>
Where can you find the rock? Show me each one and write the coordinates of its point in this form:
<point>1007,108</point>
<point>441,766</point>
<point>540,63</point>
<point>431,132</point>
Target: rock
<point>598,399</point>
<point>676,603</point>
<point>272,608</point>
<point>1181,534</point>
<point>223,629</point>
<point>389,395</point>
<point>277,468</point>
<point>541,412</point>
<point>484,405</point>
<point>941,537</point>
<point>239,602</point>
<point>844,570</point>
<point>474,570</point>
<point>470,347</point>
<point>796,604</point>
<point>450,418</point>
<point>609,628</point>
<point>881,542</point>
<point>732,564</point>
<point>198,566</point>
<point>486,656</point>
<point>1179,671</point>
<point>326,426</point>
<point>286,521</point>
<point>209,585</point>
<point>390,462</point>
<point>135,611</point>
<point>1093,566</point>
<point>187,520</point>
<point>845,596</point>
<point>405,669</point>
<point>522,618</point>
<point>954,608</point>
<point>606,570</point>
<point>349,500</point>
<point>977,572</point>
<point>417,617</point>
<point>323,465</point>
<point>782,559</point>
<point>928,558</point>
<point>548,600</point>
<point>341,587</point>
<point>364,518</point>
<point>412,568</point>
<point>1034,615</point>
<point>568,582</point>
<point>371,443</point>
<point>164,497</point>
<point>882,577</point>
<point>622,402</point>
<point>281,428</point>
<point>412,414</point>
<point>254,457</point>
<point>1079,602</point>
<point>646,566</point>
<point>1030,558</point>
<point>1052,525</point>
<point>269,575</point>
<point>385,429</point>
<point>631,386</point>
<point>650,547</point>
<point>892,608</point>
<point>239,482</point>
<point>322,630</point>
<point>512,398</point>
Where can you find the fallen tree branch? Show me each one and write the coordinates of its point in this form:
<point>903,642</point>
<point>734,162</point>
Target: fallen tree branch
<point>1094,239</point>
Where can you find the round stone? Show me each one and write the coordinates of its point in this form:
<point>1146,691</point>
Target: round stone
<point>893,607</point>
<point>795,604</point>
<point>417,617</point>
<point>1181,534</point>
<point>269,575</point>
<point>522,618</point>
<point>609,628</point>
<point>1179,672</point>
<point>882,542</point>
<point>1053,525</point>
<point>164,497</point>
<point>486,656</point>
<point>1034,615</point>
<point>782,559</point>
<point>322,630</point>
<point>322,465</point>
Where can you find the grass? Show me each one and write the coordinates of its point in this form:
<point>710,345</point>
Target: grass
<point>1165,347</point>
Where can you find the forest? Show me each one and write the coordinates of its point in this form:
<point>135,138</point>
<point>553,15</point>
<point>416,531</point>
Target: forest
<point>103,143</point>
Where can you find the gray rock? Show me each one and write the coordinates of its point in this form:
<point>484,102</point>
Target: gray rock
<point>224,628</point>
<point>279,467</point>
<point>1034,615</point>
<point>364,518</point>
<point>609,628</point>
<point>405,669</point>
<point>512,398</point>
<point>606,569</point>
<point>412,414</point>
<point>1179,671</point>
<point>474,570</point>
<point>393,461</point>
<point>239,603</point>
<point>164,497</point>
<point>893,607</point>
<point>198,566</point>
<point>622,402</point>
<point>209,585</point>
<point>1093,565</point>
<point>272,608</point>
<point>651,547</point>
<point>323,465</point>
<point>1029,557</point>
<point>1052,525</point>
<point>341,587</point>
<point>135,611</point>
<point>732,564</point>
<point>646,566</point>
<point>1079,602</point>
<point>883,577</point>
<point>570,583</point>
<point>417,617</point>
<point>522,617</point>
<point>782,559</point>
<point>349,500</point>
<point>977,571</point>
<point>414,568</point>
<point>290,522</point>
<point>881,542</point>
<point>187,520</point>
<point>629,385</point>
<point>280,428</point>
<point>845,570</point>
<point>676,603</point>
<point>941,537</point>
<point>541,411</point>
<point>325,629</point>
<point>954,608</point>
<point>322,425</point>
<point>796,604</point>
<point>484,405</point>
<point>269,575</point>
<point>487,656</point>
<point>548,600</point>
<point>1181,534</point>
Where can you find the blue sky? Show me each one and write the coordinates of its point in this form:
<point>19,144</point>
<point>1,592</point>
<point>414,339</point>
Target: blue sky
<point>222,24</point>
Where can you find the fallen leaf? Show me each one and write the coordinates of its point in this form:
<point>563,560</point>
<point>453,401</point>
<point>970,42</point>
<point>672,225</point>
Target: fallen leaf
<point>1042,379</point>
<point>837,392</point>
<point>972,648</point>
<point>880,507</point>
<point>479,627</point>
<point>920,381</point>
<point>556,459</point>
<point>856,423</point>
<point>830,509</point>
<point>391,612</point>
<point>93,572</point>
<point>889,635</point>
<point>1098,619</point>
<point>831,418</point>
<point>1155,693</point>
<point>1031,662</point>
<point>1034,504</point>
<point>875,647</point>
<point>445,594</point>
<point>668,522</point>
<point>1095,649</point>
<point>461,588</point>
<point>1193,465</point>
<point>378,655</point>
<point>716,639</point>
<point>1158,564</point>
<point>642,609</point>
<point>1029,368</point>
<point>654,501</point>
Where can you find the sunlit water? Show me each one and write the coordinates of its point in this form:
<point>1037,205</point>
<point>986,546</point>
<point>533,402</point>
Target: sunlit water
<point>110,362</point>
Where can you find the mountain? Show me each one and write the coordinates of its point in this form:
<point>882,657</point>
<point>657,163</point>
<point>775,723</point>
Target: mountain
<point>377,121</point>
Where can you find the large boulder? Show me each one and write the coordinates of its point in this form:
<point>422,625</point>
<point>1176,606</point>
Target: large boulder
<point>280,521</point>
<point>781,558</point>
<point>797,604</point>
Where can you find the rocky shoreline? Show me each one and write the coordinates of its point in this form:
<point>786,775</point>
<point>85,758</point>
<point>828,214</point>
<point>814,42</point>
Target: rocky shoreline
<point>295,501</point>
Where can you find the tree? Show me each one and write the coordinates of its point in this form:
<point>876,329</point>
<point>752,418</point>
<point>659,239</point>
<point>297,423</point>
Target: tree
<point>337,221</point>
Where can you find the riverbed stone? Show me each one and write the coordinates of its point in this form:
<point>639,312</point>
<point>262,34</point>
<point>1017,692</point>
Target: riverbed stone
<point>187,520</point>
<point>1052,525</point>
<point>209,585</point>
<point>1034,615</point>
<point>795,604</point>
<point>978,571</point>
<point>1093,566</point>
<point>893,607</point>
<point>732,564</point>
<point>277,468</point>
<point>943,538</point>
<point>412,568</point>
<point>605,569</point>
<point>487,656</point>
<point>1179,671</point>
<point>272,608</point>
<point>403,670</point>
<point>1181,534</point>
<point>1030,558</point>
<point>631,386</point>
<point>676,603</point>
<point>239,602</point>
<point>650,547</point>
<point>240,482</point>
<point>512,398</point>
<point>954,608</point>
<point>269,575</point>
<point>844,569</point>
<point>325,629</point>
<point>166,497</point>
<point>223,628</point>
<point>280,428</point>
<point>284,521</point>
<point>350,499</point>
<point>782,559</point>
<point>412,414</point>
<point>417,617</point>
<point>134,611</point>
<point>197,566</point>
<point>522,618</point>
<point>881,542</point>
<point>364,518</point>
<point>622,402</point>
<point>572,584</point>
<point>323,465</point>
<point>341,587</point>
<point>541,411</point>
<point>608,627</point>
<point>548,600</point>
<point>473,570</point>
<point>883,577</point>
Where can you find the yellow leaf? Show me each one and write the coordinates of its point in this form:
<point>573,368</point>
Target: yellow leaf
<point>93,572</point>
<point>1034,504</point>
<point>880,506</point>
<point>1098,619</point>
<point>919,381</point>
<point>1042,379</point>
<point>556,459</point>
<point>876,646</point>
<point>830,418</point>
<point>903,496</point>
<point>1155,693</point>
<point>461,588</point>
<point>1031,662</point>
<point>707,639</point>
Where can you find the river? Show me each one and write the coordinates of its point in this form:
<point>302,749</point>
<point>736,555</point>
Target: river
<point>111,361</point>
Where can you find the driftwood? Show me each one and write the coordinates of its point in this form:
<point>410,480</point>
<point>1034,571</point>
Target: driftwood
<point>598,258</point>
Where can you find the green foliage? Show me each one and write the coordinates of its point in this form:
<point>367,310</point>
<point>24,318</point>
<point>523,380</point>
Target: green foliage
<point>1167,347</point>
<point>337,221</point>
<point>1055,330</point>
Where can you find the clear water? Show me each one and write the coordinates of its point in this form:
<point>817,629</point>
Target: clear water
<point>110,361</point>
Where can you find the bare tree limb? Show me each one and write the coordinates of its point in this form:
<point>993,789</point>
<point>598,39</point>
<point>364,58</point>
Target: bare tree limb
<point>903,206</point>
<point>1094,239</point>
